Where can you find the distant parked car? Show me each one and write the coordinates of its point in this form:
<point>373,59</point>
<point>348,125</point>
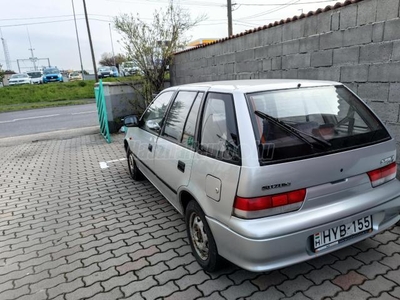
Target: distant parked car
<point>52,75</point>
<point>105,72</point>
<point>129,68</point>
<point>36,77</point>
<point>75,76</point>
<point>18,79</point>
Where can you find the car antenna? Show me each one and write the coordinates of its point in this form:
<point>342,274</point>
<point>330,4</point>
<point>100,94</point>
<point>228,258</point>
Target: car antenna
<point>299,85</point>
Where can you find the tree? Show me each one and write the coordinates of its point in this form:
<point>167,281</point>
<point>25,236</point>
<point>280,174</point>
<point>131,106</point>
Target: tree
<point>151,46</point>
<point>107,59</point>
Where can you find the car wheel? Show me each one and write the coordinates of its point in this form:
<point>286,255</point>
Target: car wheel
<point>200,237</point>
<point>133,169</point>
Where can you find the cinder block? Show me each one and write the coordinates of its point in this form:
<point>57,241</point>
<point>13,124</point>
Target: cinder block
<point>244,55</point>
<point>358,35</point>
<point>276,63</point>
<point>298,29</point>
<point>290,47</point>
<point>322,58</point>
<point>366,12</point>
<point>310,43</point>
<point>272,35</point>
<point>387,72</point>
<point>324,22</point>
<point>377,32</point>
<point>328,73</point>
<point>394,92</point>
<point>335,20</point>
<point>387,112</point>
<point>331,40</point>
<point>392,31</point>
<point>311,73</point>
<point>348,16</point>
<point>387,9</point>
<point>261,52</point>
<point>229,68</point>
<point>289,74</point>
<point>376,52</point>
<point>348,55</point>
<point>358,73</point>
<point>296,61</point>
<point>274,50</point>
<point>396,51</point>
<point>310,26</point>
<point>287,31</point>
<point>247,66</point>
<point>266,64</point>
<point>374,91</point>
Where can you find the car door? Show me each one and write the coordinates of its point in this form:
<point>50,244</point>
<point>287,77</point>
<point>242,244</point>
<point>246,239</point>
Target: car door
<point>175,146</point>
<point>142,139</point>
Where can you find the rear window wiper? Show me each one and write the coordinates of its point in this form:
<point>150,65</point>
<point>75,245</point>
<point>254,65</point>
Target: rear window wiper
<point>297,133</point>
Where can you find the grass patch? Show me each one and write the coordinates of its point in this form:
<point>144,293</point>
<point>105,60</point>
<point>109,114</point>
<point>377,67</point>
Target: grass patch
<point>52,94</point>
<point>24,106</point>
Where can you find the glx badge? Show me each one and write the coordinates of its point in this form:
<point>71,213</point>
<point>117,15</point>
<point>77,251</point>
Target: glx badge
<point>387,160</point>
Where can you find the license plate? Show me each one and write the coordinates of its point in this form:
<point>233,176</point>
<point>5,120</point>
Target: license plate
<point>342,233</point>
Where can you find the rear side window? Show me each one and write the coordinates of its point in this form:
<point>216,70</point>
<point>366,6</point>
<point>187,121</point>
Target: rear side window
<point>327,119</point>
<point>219,135</point>
<point>177,115</point>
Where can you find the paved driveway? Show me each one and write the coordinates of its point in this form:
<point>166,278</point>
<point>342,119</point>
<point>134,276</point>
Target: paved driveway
<point>71,230</point>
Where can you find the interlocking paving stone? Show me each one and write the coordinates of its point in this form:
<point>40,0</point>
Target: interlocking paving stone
<point>270,293</point>
<point>393,276</point>
<point>290,287</point>
<point>373,270</point>
<point>64,219</point>
<point>210,286</point>
<point>297,296</point>
<point>348,280</point>
<point>344,266</point>
<point>213,296</point>
<point>244,289</point>
<point>326,289</point>
<point>377,285</point>
<point>384,296</point>
<point>354,293</point>
<point>267,280</point>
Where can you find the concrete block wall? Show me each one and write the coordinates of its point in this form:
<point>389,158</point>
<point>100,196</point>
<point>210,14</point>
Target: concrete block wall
<point>358,44</point>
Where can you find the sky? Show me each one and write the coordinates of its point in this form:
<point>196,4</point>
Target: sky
<point>52,31</point>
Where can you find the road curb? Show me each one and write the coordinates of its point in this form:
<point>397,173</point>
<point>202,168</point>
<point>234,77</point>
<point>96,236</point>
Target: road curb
<point>53,135</point>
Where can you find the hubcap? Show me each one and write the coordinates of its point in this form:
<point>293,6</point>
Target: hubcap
<point>131,164</point>
<point>199,236</point>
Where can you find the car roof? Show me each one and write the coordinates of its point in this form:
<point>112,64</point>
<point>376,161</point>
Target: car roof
<point>259,84</point>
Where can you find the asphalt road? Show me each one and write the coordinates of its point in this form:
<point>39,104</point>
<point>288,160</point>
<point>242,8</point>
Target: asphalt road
<point>47,119</point>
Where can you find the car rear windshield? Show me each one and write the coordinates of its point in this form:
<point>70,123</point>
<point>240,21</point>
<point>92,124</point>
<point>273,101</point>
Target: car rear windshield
<point>305,122</point>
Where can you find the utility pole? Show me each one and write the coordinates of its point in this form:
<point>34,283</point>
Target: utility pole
<point>77,39</point>
<point>112,44</point>
<point>90,42</point>
<point>229,17</point>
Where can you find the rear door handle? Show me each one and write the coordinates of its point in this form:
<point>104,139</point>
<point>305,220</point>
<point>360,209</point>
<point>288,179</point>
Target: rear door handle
<point>150,147</point>
<point>181,166</point>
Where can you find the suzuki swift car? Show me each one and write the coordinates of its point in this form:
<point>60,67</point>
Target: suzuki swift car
<point>267,173</point>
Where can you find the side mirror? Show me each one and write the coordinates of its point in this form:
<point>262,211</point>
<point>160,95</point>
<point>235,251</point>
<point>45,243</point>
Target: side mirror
<point>131,121</point>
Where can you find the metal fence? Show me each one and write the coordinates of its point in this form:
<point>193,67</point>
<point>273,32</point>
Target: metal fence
<point>102,111</point>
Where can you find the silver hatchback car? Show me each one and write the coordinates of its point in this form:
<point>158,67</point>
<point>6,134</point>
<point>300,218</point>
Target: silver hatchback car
<point>267,173</point>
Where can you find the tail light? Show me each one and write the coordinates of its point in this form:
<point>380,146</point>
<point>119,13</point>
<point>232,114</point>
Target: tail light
<point>251,208</point>
<point>382,175</point>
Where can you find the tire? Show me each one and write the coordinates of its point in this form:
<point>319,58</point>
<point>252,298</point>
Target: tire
<point>197,228</point>
<point>133,169</point>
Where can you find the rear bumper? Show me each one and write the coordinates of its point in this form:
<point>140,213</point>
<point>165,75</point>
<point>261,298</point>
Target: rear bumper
<point>264,254</point>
